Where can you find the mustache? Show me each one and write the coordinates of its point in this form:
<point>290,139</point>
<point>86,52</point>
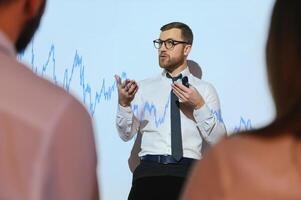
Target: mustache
<point>163,54</point>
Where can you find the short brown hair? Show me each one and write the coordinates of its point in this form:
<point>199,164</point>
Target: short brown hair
<point>187,34</point>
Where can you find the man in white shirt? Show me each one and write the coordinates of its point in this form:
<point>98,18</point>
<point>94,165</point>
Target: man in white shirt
<point>174,112</point>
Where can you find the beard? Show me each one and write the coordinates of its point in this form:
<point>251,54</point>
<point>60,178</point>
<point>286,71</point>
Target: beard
<point>29,30</point>
<point>170,64</point>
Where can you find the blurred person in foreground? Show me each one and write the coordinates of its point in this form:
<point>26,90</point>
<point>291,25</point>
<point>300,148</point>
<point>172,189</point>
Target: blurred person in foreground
<point>47,148</point>
<point>265,163</point>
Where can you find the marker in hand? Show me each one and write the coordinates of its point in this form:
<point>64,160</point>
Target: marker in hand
<point>126,91</point>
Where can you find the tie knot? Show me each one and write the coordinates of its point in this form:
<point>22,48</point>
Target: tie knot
<point>174,78</point>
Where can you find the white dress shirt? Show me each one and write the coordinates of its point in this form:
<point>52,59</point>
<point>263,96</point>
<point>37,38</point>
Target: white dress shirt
<point>149,114</point>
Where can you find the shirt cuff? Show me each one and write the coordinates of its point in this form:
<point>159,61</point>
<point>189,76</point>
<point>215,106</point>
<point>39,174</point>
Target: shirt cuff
<point>202,113</point>
<point>124,110</point>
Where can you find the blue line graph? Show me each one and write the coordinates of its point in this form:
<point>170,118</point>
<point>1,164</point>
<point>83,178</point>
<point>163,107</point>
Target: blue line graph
<point>152,110</point>
<point>244,125</point>
<point>103,91</point>
<point>77,67</point>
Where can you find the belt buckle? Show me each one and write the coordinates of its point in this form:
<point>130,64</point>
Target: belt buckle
<point>164,161</point>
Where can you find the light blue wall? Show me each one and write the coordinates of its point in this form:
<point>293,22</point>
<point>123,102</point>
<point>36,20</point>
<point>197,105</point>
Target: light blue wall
<point>100,38</point>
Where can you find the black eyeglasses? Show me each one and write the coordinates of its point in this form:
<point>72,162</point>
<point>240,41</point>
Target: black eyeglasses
<point>169,44</point>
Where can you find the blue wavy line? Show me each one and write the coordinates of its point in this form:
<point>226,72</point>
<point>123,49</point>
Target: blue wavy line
<point>244,125</point>
<point>103,91</point>
<point>50,64</point>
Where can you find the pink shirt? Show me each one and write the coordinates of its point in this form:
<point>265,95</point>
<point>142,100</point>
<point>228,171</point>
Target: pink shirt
<point>47,148</point>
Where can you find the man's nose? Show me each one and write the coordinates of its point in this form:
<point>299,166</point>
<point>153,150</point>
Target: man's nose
<point>162,47</point>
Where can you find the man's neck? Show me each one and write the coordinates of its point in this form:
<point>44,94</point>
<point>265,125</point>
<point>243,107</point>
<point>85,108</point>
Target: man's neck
<point>177,70</point>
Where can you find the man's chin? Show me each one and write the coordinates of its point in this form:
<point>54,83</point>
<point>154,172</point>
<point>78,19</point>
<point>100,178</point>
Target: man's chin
<point>29,30</point>
<point>163,64</point>
<point>166,67</point>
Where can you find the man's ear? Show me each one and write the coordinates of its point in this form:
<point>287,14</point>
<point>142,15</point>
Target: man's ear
<point>32,7</point>
<point>187,49</point>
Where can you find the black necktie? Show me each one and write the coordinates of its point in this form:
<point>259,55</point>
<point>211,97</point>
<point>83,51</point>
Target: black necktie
<point>176,135</point>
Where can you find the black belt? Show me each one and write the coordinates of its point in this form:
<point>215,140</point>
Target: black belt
<point>167,159</point>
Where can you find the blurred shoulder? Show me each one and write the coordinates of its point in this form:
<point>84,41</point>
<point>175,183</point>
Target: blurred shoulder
<point>32,98</point>
<point>237,153</point>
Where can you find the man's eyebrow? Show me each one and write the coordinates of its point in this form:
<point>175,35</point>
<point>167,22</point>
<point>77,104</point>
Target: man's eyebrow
<point>167,39</point>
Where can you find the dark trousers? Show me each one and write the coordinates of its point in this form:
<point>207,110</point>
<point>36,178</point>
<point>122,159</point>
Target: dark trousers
<point>155,181</point>
<point>157,188</point>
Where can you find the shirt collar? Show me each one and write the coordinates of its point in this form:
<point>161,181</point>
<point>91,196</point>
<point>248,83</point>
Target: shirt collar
<point>6,45</point>
<point>185,72</point>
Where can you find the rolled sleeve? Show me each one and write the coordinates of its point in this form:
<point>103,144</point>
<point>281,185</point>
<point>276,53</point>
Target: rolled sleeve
<point>126,123</point>
<point>212,129</point>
